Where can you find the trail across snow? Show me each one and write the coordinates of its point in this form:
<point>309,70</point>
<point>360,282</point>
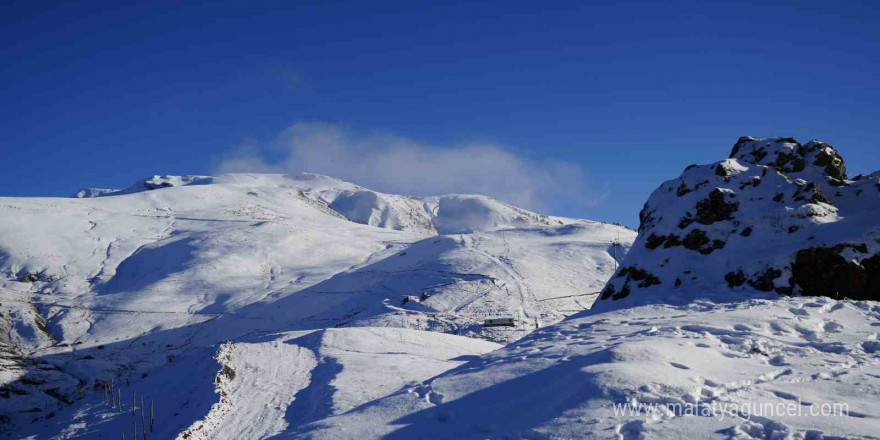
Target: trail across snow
<point>255,386</point>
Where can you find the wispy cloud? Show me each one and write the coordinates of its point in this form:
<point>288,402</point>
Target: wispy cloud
<point>395,164</point>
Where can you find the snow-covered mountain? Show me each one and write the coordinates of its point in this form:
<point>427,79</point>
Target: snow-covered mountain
<point>450,214</point>
<point>777,216</point>
<point>271,307</point>
<point>682,351</point>
<point>148,281</point>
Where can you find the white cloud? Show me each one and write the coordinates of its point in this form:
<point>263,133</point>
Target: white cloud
<point>399,165</point>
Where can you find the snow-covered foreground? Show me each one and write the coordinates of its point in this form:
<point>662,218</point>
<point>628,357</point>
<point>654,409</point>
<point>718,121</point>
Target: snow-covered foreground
<point>787,368</point>
<point>144,286</point>
<point>257,387</point>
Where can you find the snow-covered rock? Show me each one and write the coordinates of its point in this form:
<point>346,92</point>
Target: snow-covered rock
<point>777,216</point>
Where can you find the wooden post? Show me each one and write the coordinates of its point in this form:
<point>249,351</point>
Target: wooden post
<point>119,399</point>
<point>152,414</point>
<point>133,401</point>
<point>143,418</point>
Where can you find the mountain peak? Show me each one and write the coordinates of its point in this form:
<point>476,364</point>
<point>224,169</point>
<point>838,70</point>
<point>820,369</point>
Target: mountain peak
<point>790,156</point>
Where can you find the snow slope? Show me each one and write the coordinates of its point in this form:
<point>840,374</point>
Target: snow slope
<point>712,369</point>
<point>695,336</point>
<point>258,386</point>
<point>288,380</point>
<point>152,278</point>
<point>450,214</point>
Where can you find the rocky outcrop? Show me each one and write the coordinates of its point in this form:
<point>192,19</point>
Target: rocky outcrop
<point>824,271</point>
<point>630,275</point>
<point>776,216</point>
<point>719,206</point>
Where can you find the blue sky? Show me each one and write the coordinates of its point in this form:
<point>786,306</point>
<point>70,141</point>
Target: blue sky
<point>612,98</point>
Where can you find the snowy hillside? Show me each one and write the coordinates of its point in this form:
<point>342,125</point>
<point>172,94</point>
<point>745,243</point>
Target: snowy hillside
<point>271,307</point>
<point>678,348</point>
<point>788,368</point>
<point>150,280</point>
<point>777,216</point>
<point>450,214</point>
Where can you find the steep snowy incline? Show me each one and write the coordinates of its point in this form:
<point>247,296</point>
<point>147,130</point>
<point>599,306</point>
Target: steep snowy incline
<point>777,216</point>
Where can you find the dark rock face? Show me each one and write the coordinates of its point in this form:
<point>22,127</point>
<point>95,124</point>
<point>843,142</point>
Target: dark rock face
<point>811,192</point>
<point>719,206</point>
<point>872,270</point>
<point>735,279</point>
<point>695,239</point>
<point>790,162</point>
<point>827,157</point>
<point>611,292</point>
<point>740,143</point>
<point>672,240</point>
<point>667,241</point>
<point>641,277</point>
<point>152,185</point>
<point>764,280</point>
<point>654,241</point>
<point>645,278</point>
<point>822,271</point>
<point>646,218</point>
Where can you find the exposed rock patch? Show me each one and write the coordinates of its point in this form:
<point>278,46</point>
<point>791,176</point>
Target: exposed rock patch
<point>823,271</point>
<point>720,205</point>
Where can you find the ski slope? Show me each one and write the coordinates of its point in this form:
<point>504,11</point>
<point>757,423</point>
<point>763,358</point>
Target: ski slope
<point>157,276</point>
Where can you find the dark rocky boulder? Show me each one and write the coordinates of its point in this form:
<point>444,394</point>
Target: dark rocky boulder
<point>720,205</point>
<point>827,156</point>
<point>823,271</point>
<point>811,192</point>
